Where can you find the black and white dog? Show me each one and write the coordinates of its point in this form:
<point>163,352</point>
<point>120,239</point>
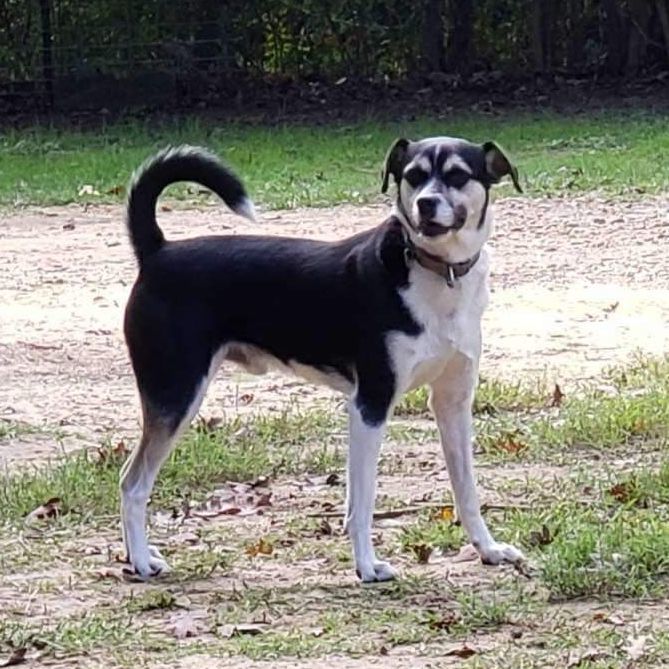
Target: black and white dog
<point>373,316</point>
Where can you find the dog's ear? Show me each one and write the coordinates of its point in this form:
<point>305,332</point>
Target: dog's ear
<point>498,165</point>
<point>396,159</point>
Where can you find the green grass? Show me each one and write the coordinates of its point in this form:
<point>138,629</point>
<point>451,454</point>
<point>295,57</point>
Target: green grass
<point>238,450</point>
<point>595,528</point>
<point>297,165</point>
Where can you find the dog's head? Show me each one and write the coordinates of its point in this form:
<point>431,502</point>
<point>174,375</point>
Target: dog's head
<point>443,191</point>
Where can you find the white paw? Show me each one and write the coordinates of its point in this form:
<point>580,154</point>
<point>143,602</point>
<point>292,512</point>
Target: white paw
<point>148,566</point>
<point>376,572</point>
<point>496,553</point>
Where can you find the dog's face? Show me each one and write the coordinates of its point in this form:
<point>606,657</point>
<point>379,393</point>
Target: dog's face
<point>443,186</point>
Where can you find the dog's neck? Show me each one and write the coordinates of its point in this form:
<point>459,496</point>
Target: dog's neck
<point>449,271</point>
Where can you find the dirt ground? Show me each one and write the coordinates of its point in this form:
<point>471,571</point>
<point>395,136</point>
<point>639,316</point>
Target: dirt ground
<point>578,284</point>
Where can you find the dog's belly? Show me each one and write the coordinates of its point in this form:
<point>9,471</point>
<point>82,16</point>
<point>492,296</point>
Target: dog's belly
<point>257,361</point>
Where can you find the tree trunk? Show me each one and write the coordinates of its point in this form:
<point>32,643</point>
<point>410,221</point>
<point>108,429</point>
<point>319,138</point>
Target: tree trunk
<point>576,36</point>
<point>460,42</point>
<point>663,11</point>
<point>47,49</point>
<point>432,42</point>
<point>640,15</point>
<point>614,35</point>
<point>542,25</point>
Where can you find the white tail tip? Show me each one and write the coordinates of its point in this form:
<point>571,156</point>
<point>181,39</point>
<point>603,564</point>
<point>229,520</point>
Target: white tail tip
<point>246,209</point>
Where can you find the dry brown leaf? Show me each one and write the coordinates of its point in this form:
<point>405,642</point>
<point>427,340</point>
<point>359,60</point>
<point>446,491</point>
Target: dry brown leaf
<point>422,552</point>
<point>541,537</point>
<point>111,572</point>
<point>622,492</point>
<point>185,625</point>
<point>445,620</point>
<point>52,508</point>
<point>466,554</point>
<point>511,443</point>
<point>636,647</point>
<point>558,396</point>
<point>117,453</point>
<point>264,500</point>
<point>578,658</point>
<point>260,547</point>
<point>464,651</point>
<point>324,529</point>
<point>246,399</point>
<point>18,656</point>
<point>611,308</point>
<point>116,190</point>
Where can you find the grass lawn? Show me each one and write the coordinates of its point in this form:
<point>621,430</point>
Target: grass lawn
<point>580,483</point>
<point>298,166</point>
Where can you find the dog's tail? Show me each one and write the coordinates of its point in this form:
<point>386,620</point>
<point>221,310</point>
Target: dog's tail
<point>182,163</point>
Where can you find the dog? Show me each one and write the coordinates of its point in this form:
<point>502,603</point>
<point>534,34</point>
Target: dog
<point>373,316</point>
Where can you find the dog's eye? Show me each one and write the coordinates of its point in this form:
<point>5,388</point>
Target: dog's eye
<point>456,178</point>
<point>416,176</point>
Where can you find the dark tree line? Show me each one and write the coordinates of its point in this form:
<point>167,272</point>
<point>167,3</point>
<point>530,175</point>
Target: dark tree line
<point>46,42</point>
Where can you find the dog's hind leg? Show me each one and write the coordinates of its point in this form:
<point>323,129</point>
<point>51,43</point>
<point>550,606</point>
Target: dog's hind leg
<point>160,433</point>
<point>367,423</point>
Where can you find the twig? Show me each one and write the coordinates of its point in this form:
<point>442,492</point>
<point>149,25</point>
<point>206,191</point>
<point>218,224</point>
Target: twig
<point>406,510</point>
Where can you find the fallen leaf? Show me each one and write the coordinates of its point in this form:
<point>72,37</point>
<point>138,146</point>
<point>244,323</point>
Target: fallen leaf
<point>117,574</point>
<point>578,658</point>
<point>116,190</point>
<point>52,508</point>
<point>88,189</point>
<point>422,552</point>
<point>636,647</point>
<point>332,479</point>
<point>511,443</point>
<point>116,454</point>
<point>250,629</point>
<point>260,482</point>
<point>324,529</point>
<point>18,656</point>
<point>261,547</point>
<point>445,513</point>
<point>185,625</point>
<point>165,207</point>
<point>444,621</point>
<point>264,500</point>
<point>463,651</point>
<point>466,554</point>
<point>246,399</point>
<point>611,308</point>
<point>624,491</point>
<point>541,537</point>
<point>558,396</point>
<point>68,226</point>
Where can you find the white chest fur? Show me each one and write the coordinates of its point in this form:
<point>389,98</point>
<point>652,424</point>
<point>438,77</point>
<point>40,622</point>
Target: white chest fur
<point>451,322</point>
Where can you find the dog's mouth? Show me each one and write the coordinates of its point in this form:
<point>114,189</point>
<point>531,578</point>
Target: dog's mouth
<point>431,228</point>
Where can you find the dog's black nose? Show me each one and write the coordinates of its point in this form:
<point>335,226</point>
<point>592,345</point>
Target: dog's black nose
<point>427,207</point>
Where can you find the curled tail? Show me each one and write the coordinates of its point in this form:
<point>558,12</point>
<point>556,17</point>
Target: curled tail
<point>182,163</point>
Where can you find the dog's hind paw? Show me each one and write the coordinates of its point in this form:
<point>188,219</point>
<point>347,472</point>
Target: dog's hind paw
<point>379,571</point>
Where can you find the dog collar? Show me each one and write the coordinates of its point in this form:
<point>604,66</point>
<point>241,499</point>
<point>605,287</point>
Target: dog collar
<point>449,271</point>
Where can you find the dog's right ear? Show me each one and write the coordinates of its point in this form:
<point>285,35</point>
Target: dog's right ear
<point>396,159</point>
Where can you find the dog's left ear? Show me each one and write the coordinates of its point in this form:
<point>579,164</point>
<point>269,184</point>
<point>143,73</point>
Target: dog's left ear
<point>396,159</point>
<point>498,165</point>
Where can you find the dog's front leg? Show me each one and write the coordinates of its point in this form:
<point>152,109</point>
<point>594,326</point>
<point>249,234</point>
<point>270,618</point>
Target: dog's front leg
<point>451,402</point>
<point>364,444</point>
